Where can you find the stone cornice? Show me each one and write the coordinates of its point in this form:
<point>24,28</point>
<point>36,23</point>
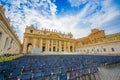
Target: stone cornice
<point>26,35</point>
<point>53,31</point>
<point>100,43</point>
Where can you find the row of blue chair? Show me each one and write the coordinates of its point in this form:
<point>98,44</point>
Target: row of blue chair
<point>53,66</point>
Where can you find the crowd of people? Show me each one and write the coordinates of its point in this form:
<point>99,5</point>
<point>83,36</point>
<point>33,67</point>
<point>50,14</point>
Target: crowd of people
<point>54,67</point>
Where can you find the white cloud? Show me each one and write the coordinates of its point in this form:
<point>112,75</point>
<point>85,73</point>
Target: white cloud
<point>52,7</point>
<point>76,3</point>
<point>107,13</point>
<point>78,24</point>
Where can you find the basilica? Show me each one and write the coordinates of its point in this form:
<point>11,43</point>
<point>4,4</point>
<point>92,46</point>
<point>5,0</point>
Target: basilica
<point>47,41</point>
<point>52,41</point>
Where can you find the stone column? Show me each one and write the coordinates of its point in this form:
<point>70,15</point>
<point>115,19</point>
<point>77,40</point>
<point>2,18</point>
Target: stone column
<point>24,46</point>
<point>59,46</point>
<point>73,47</point>
<point>34,42</point>
<point>68,46</point>
<point>46,45</point>
<point>64,46</point>
<point>51,45</point>
<point>40,44</point>
<point>56,45</point>
<point>14,48</point>
<point>1,41</point>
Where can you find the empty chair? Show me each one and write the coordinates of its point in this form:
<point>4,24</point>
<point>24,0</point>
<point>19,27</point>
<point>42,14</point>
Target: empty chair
<point>54,77</point>
<point>12,77</point>
<point>1,77</point>
<point>63,76</point>
<point>37,75</point>
<point>85,72</point>
<point>72,75</point>
<point>80,73</point>
<point>53,67</point>
<point>16,72</point>
<point>26,76</point>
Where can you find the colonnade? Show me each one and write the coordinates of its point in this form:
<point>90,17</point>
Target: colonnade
<point>48,45</point>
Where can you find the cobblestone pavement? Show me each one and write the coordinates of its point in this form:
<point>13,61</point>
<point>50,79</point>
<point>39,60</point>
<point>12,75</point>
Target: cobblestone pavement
<point>111,72</point>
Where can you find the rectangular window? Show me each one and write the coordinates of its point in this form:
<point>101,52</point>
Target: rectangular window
<point>11,41</point>
<point>112,49</point>
<point>104,50</point>
<point>49,49</point>
<point>6,41</point>
<point>97,50</point>
<point>92,50</point>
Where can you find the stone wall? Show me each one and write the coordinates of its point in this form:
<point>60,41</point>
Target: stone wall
<point>105,48</point>
<point>9,42</point>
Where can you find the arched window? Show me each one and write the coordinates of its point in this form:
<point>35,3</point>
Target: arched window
<point>11,41</point>
<point>0,35</point>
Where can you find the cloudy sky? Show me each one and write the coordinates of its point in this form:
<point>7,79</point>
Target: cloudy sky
<point>76,16</point>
